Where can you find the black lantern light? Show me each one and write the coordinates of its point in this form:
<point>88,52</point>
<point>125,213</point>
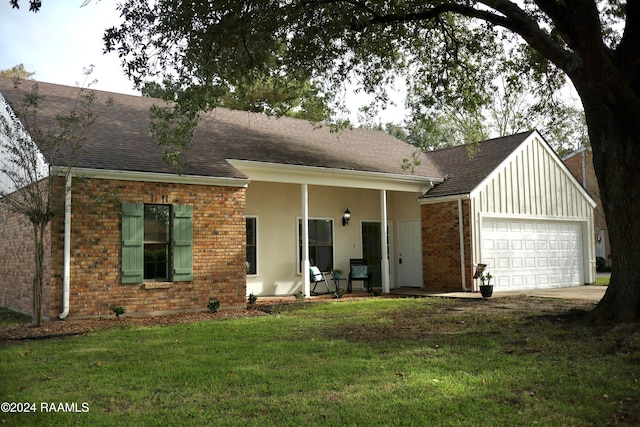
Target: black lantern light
<point>346,218</point>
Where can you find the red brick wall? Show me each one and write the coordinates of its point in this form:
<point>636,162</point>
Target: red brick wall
<point>441,246</point>
<point>17,264</point>
<point>574,164</point>
<point>218,249</point>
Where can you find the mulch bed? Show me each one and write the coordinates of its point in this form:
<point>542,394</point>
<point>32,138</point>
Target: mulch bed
<point>70,327</point>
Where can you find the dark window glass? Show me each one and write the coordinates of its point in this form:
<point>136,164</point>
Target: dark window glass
<point>252,249</point>
<point>320,243</point>
<point>156,241</point>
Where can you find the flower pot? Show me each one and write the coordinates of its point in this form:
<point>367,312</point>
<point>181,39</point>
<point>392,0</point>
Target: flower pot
<point>486,291</point>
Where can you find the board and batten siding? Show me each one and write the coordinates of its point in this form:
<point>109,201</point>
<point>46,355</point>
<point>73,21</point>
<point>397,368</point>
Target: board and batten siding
<point>534,183</point>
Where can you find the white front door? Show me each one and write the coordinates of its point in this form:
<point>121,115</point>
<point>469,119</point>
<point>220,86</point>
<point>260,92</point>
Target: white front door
<point>409,254</point>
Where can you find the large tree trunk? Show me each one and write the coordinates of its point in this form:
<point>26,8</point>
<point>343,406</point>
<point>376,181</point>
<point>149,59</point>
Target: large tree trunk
<point>614,131</point>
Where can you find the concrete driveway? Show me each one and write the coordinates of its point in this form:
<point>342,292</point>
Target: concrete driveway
<point>590,292</point>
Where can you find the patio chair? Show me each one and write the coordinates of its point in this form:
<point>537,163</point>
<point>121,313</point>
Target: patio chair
<point>316,276</point>
<point>358,270</point>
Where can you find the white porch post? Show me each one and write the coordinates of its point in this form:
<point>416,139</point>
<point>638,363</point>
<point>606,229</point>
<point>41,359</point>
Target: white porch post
<point>305,242</point>
<point>384,263</point>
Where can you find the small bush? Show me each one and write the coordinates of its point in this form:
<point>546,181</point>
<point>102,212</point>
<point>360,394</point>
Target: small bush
<point>252,298</point>
<point>118,310</point>
<point>299,295</point>
<point>214,305</point>
<point>600,263</point>
<point>338,293</point>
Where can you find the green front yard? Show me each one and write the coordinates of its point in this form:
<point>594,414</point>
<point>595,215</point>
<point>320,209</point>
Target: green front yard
<point>370,362</point>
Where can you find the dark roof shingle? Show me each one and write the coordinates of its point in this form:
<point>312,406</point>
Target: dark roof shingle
<point>120,140</point>
<point>466,171</point>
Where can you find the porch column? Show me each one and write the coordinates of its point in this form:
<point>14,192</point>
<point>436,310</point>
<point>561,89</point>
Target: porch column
<point>384,263</point>
<point>304,268</point>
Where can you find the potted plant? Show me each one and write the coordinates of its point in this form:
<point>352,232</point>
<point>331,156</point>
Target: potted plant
<point>486,288</point>
<point>336,273</point>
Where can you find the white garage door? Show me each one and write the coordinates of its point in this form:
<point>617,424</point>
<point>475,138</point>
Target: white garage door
<point>523,254</point>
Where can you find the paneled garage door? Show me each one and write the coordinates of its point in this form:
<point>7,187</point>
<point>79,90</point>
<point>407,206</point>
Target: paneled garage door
<point>524,254</point>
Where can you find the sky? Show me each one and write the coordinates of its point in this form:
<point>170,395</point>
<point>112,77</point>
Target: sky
<point>62,39</point>
<point>59,41</point>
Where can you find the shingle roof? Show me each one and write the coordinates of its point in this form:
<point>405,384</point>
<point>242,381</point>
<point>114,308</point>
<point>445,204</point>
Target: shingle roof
<point>464,171</point>
<point>119,140</point>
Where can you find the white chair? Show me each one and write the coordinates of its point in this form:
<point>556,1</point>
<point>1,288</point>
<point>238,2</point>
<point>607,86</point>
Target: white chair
<point>316,277</point>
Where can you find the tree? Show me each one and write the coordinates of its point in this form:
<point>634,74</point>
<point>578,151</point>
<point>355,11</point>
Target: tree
<point>35,5</point>
<point>447,48</point>
<point>302,100</point>
<point>28,149</point>
<point>18,72</point>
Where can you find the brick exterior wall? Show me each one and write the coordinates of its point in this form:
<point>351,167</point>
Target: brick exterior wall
<point>590,183</point>
<point>441,246</point>
<point>17,263</point>
<point>219,251</point>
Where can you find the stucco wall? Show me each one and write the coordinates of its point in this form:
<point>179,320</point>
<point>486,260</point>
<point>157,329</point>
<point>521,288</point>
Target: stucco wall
<point>278,206</point>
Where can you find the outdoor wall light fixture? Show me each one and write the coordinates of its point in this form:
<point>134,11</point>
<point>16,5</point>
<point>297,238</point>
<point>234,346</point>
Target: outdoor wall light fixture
<point>346,218</point>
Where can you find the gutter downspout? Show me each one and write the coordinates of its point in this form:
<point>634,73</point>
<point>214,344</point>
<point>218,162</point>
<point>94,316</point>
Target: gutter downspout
<point>67,250</point>
<point>462,255</point>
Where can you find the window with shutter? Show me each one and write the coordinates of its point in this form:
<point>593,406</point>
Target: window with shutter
<point>132,242</point>
<point>157,243</point>
<point>182,243</point>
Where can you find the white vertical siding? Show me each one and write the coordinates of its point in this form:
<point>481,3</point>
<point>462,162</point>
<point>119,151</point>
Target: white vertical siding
<point>534,183</point>
<point>17,151</point>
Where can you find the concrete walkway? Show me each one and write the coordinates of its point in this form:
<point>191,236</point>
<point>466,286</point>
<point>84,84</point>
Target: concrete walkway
<point>592,293</point>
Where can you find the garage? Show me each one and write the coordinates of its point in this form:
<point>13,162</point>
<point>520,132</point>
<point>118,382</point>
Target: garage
<point>532,254</point>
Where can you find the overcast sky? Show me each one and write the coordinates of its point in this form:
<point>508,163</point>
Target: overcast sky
<point>62,39</point>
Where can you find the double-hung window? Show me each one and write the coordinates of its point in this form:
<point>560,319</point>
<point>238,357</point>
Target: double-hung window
<point>157,243</point>
<point>320,243</point>
<point>252,245</point>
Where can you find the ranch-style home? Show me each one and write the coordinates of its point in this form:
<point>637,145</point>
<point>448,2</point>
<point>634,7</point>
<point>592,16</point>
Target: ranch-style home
<point>259,200</point>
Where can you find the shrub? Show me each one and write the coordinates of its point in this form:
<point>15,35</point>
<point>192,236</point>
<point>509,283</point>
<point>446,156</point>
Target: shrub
<point>214,305</point>
<point>252,298</point>
<point>299,295</point>
<point>338,293</point>
<point>118,310</point>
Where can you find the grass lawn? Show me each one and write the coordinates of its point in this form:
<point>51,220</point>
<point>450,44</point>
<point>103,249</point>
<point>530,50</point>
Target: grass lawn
<point>370,362</point>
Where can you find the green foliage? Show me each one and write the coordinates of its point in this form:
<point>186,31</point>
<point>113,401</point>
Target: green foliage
<point>251,299</point>
<point>17,72</point>
<point>118,310</point>
<point>299,295</point>
<point>486,278</point>
<point>214,305</point>
<point>339,293</point>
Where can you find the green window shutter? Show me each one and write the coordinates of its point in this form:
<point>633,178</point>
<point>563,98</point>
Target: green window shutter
<point>182,243</point>
<point>132,243</point>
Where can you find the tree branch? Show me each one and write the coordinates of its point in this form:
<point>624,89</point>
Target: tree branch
<point>510,16</point>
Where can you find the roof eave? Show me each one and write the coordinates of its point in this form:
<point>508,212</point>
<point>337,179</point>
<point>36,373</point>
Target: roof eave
<point>301,174</point>
<point>152,177</point>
